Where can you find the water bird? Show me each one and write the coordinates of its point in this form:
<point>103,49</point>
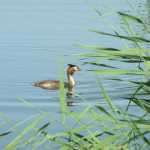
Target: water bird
<point>55,84</point>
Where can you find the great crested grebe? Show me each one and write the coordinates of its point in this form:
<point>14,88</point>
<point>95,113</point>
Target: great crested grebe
<point>55,84</point>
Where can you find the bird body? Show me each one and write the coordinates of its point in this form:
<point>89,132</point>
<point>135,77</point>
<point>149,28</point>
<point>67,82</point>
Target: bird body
<point>49,84</point>
<point>55,84</point>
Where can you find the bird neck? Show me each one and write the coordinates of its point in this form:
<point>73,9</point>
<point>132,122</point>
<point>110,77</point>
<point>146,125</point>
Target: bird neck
<point>71,82</point>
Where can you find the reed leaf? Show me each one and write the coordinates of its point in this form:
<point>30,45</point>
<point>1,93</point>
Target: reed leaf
<point>102,109</point>
<point>5,133</point>
<point>98,64</point>
<point>119,72</point>
<point>63,104</point>
<point>136,137</point>
<point>106,97</point>
<point>140,121</point>
<point>128,16</point>
<point>98,47</point>
<point>98,12</point>
<point>142,103</point>
<point>12,145</point>
<point>133,38</point>
<point>43,127</point>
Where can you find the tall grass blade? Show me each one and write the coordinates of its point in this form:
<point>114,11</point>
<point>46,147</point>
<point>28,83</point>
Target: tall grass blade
<point>106,97</point>
<point>133,38</point>
<point>43,127</point>
<point>98,47</point>
<point>98,64</point>
<point>102,109</point>
<point>12,145</point>
<point>134,18</point>
<point>142,103</point>
<point>5,133</point>
<point>120,72</point>
<point>62,93</point>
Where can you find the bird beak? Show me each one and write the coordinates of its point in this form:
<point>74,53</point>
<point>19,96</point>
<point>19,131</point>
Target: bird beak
<point>78,69</point>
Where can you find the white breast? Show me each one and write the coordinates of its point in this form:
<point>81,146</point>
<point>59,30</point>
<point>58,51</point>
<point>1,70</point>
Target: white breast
<point>71,81</point>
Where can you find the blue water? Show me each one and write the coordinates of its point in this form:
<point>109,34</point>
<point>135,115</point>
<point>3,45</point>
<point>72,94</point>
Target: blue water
<point>37,39</point>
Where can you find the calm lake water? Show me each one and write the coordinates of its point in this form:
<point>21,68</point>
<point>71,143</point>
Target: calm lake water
<point>35,38</point>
